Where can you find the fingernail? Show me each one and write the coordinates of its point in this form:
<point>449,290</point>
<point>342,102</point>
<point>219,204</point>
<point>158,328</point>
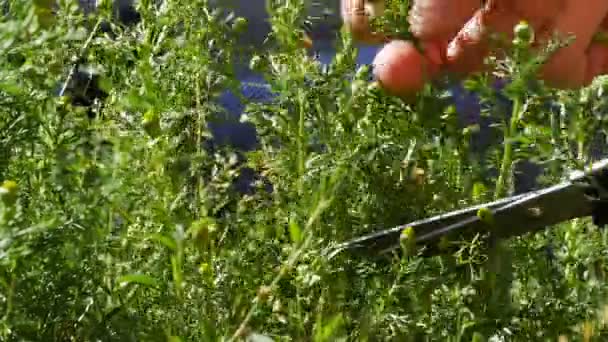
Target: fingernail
<point>471,32</point>
<point>453,49</point>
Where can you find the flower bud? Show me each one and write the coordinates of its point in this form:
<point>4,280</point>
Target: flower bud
<point>239,25</point>
<point>523,34</point>
<point>151,123</point>
<point>8,192</point>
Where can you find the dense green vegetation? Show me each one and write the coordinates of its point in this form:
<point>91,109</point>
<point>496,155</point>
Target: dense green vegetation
<point>120,225</point>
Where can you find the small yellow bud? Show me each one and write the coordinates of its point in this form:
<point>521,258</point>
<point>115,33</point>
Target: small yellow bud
<point>408,240</point>
<point>408,233</point>
<point>8,192</point>
<point>419,176</point>
<point>239,25</point>
<point>151,123</point>
<point>523,34</point>
<point>485,215</point>
<point>264,293</point>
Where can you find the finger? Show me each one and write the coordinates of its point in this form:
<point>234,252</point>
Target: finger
<point>466,52</point>
<point>402,70</point>
<point>597,62</point>
<point>597,55</point>
<point>357,14</point>
<point>571,66</point>
<point>440,19</point>
<point>538,11</point>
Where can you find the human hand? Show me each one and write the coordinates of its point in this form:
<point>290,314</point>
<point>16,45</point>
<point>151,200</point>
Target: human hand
<point>455,38</point>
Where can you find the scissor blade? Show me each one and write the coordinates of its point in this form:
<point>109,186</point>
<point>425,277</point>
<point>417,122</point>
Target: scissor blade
<point>512,216</point>
<point>535,211</point>
<point>378,243</point>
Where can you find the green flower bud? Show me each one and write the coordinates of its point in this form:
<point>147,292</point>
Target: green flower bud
<point>485,215</point>
<point>257,63</point>
<point>408,240</point>
<point>239,25</point>
<point>8,192</point>
<point>523,34</point>
<point>151,123</point>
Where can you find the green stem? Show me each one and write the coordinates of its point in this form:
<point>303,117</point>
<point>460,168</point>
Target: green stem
<point>293,259</point>
<point>300,141</point>
<point>507,156</point>
<point>580,149</point>
<point>9,299</point>
<point>555,140</point>
<point>198,188</point>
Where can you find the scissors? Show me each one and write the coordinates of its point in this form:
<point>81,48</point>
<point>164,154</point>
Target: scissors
<point>585,193</point>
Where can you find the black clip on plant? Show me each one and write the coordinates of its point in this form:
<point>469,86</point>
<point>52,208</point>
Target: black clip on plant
<point>584,194</point>
<point>82,84</point>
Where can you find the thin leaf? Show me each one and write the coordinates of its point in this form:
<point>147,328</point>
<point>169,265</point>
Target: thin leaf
<point>165,241</point>
<point>295,232</point>
<point>11,88</point>
<point>140,279</point>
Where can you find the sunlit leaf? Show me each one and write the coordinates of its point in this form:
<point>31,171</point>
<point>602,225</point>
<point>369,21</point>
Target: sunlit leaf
<point>140,279</point>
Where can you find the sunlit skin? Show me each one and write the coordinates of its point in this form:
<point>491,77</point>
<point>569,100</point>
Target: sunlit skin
<point>455,36</point>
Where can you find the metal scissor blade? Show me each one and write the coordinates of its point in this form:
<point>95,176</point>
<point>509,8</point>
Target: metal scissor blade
<point>512,216</point>
<point>381,242</point>
<point>535,211</point>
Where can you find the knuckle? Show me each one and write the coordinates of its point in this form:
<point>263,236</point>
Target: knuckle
<point>357,15</point>
<point>438,18</point>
